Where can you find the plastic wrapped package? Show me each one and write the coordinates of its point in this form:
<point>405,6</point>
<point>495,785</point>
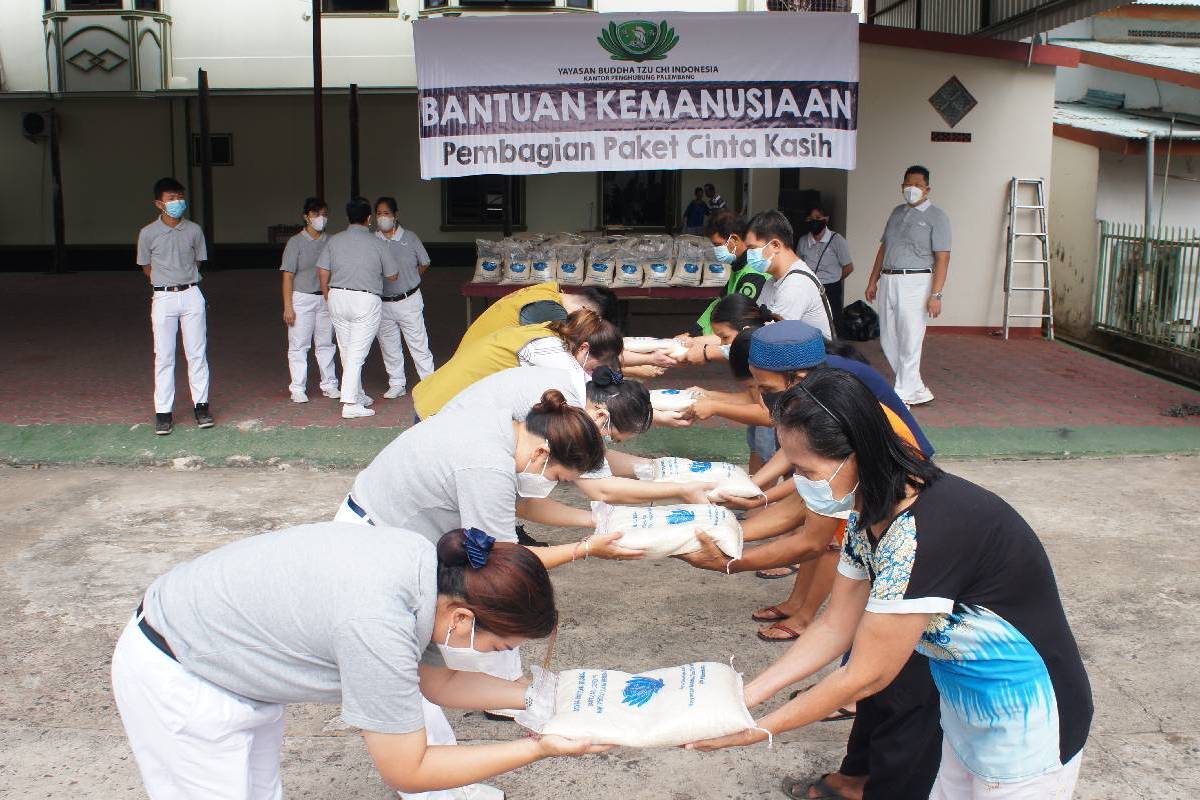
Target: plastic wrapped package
<point>489,261</point>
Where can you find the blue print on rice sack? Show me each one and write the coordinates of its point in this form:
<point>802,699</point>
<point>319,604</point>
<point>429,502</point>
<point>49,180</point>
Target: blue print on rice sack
<point>599,267</point>
<point>516,268</point>
<point>568,268</point>
<point>701,466</point>
<point>681,516</point>
<point>640,690</point>
<point>671,391</point>
<point>629,269</point>
<point>490,266</point>
<point>691,268</point>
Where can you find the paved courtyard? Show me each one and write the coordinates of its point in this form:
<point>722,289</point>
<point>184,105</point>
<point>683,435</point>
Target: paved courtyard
<point>79,544</point>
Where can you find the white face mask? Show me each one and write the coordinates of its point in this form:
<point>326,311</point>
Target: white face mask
<point>818,495</point>
<point>385,224</point>
<point>725,350</point>
<point>535,486</point>
<point>319,223</point>
<point>468,659</point>
<point>913,194</point>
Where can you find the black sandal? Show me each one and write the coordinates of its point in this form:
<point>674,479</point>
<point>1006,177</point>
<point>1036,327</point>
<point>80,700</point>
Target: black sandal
<point>821,784</point>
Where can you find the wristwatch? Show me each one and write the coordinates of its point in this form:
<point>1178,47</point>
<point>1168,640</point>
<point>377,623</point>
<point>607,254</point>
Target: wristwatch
<point>936,295</point>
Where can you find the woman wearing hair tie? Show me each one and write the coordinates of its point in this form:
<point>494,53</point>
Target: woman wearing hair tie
<point>368,617</point>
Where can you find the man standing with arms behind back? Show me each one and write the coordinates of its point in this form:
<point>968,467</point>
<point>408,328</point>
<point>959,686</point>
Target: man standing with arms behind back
<point>169,251</point>
<point>352,270</point>
<point>908,277</point>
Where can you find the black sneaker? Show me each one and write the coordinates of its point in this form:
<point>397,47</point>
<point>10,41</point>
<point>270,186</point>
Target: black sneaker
<point>204,417</point>
<point>498,717</point>
<point>527,540</point>
<point>163,424</point>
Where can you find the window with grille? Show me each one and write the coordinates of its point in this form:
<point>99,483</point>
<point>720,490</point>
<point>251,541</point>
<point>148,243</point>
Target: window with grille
<point>477,202</point>
<point>220,149</point>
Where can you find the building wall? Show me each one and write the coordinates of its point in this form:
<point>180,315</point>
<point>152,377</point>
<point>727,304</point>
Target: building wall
<point>1140,92</point>
<point>1011,137</point>
<point>1122,188</point>
<point>1073,234</point>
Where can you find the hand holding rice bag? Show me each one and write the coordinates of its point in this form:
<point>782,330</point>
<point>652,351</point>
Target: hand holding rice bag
<point>660,708</point>
<point>672,399</point>
<point>651,344</point>
<point>731,480</point>
<point>664,531</point>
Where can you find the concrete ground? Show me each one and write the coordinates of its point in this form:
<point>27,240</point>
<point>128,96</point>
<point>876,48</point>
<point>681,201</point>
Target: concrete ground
<point>79,544</point>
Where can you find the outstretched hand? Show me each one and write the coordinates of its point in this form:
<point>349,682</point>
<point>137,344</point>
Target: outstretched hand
<point>603,545</point>
<point>562,746</point>
<point>741,739</point>
<point>709,556</point>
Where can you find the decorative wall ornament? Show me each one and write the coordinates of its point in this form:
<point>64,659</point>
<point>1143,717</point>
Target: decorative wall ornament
<point>952,101</point>
<point>86,61</point>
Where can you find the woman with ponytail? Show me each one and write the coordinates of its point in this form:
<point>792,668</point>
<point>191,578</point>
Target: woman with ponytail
<point>367,617</point>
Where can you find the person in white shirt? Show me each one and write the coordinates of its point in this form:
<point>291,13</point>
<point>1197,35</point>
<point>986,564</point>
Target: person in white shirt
<point>402,319</point>
<point>828,255</point>
<point>795,293</point>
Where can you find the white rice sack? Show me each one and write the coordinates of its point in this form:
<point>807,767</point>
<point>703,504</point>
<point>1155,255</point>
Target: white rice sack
<point>671,399</point>
<point>601,262</point>
<point>572,262</point>
<point>542,265</point>
<point>716,273</point>
<point>661,708</point>
<point>689,262</point>
<point>516,262</point>
<point>663,531</point>
<point>629,272</point>
<point>732,480</point>
<point>489,261</point>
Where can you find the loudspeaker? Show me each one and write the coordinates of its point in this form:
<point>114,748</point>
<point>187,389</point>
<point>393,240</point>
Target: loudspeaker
<point>35,125</point>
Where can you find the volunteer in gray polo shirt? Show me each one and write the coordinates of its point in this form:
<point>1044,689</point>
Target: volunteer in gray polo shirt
<point>908,278</point>
<point>402,320</point>
<point>828,255</point>
<point>169,251</point>
<point>371,618</point>
<point>353,269</point>
<point>304,308</point>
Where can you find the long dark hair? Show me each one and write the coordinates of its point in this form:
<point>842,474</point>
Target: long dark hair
<point>585,326</point>
<point>627,401</point>
<point>840,417</point>
<point>573,438</point>
<point>510,595</point>
<point>739,354</point>
<point>740,312</point>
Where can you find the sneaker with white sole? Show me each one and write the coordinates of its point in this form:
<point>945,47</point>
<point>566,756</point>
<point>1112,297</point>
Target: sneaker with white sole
<point>332,394</point>
<point>365,400</point>
<point>394,392</point>
<point>354,411</point>
<point>920,398</point>
<point>299,397</point>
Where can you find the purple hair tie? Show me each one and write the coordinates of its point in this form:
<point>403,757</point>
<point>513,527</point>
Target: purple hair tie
<point>478,546</point>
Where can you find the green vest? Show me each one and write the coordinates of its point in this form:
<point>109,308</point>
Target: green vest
<point>736,284</point>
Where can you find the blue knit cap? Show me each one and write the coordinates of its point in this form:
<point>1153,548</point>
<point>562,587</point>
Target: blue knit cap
<point>786,346</point>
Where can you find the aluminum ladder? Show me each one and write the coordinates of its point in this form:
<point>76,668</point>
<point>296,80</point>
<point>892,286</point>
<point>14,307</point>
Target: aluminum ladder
<point>1032,214</point>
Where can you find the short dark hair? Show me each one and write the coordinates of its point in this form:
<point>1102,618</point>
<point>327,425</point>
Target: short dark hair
<point>165,186</point>
<point>740,312</point>
<point>572,436</point>
<point>627,400</point>
<point>605,301</point>
<point>818,207</point>
<point>709,186</point>
<point>739,354</point>
<point>726,224</point>
<point>767,225</point>
<point>510,595</point>
<point>917,169</point>
<point>312,204</point>
<point>388,201</point>
<point>698,190</point>
<point>840,417</point>
<point>358,210</point>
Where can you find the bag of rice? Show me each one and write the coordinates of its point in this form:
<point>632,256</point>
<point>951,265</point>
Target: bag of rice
<point>489,261</point>
<point>732,480</point>
<point>663,531</point>
<point>657,256</point>
<point>516,262</point>
<point>627,268</point>
<point>689,262</point>
<point>542,266</point>
<point>716,273</point>
<point>571,259</point>
<point>601,261</point>
<point>671,399</point>
<point>660,708</point>
<point>649,344</point>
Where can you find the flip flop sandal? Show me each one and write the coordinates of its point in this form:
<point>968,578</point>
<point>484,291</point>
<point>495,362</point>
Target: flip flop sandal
<point>790,571</point>
<point>821,784</point>
<point>778,627</point>
<point>837,716</point>
<point>769,614</point>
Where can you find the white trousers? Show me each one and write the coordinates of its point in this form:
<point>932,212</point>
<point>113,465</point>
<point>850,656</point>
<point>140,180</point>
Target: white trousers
<point>955,782</point>
<point>355,318</point>
<point>903,314</point>
<point>312,329</point>
<point>437,727</point>
<point>404,319</point>
<point>171,313</point>
<point>191,738</point>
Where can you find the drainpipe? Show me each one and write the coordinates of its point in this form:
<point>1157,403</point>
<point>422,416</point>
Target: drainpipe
<point>1149,200</point>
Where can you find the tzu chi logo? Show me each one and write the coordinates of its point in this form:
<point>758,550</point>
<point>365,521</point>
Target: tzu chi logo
<point>638,40</point>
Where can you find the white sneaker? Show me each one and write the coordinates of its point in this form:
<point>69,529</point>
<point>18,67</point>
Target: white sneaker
<point>354,411</point>
<point>481,791</point>
<point>365,401</point>
<point>332,394</point>
<point>394,392</point>
<point>920,398</point>
<point>299,397</point>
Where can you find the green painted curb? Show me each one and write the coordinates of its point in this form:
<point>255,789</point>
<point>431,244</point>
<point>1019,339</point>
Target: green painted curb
<point>348,447</point>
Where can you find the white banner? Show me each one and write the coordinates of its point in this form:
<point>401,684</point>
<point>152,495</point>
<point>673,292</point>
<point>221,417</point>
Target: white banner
<point>533,94</point>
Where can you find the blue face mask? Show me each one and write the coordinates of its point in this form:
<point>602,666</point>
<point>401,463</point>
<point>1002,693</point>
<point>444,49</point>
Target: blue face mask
<point>756,259</point>
<point>175,208</point>
<point>722,253</point>
<point>818,495</point>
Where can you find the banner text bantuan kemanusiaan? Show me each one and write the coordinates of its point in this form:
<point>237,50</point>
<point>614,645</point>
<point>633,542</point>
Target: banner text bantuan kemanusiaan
<point>570,93</point>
